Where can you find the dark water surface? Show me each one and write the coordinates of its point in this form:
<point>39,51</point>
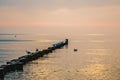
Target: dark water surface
<point>97,58</point>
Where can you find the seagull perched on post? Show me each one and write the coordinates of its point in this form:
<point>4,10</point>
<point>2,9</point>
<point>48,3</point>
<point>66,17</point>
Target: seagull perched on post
<point>37,50</point>
<point>28,52</point>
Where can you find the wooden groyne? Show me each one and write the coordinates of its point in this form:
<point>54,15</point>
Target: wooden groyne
<point>17,64</point>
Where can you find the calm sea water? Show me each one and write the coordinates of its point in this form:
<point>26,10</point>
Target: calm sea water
<point>97,58</point>
<point>14,45</point>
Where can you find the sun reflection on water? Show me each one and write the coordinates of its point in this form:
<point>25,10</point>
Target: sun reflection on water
<point>98,51</point>
<point>101,72</point>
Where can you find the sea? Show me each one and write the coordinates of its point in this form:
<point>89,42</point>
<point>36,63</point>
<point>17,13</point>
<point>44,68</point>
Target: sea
<point>97,56</point>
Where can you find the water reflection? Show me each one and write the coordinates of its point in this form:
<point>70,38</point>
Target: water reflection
<point>95,34</point>
<point>97,41</point>
<point>98,51</point>
<point>46,40</point>
<point>101,72</point>
<point>95,60</point>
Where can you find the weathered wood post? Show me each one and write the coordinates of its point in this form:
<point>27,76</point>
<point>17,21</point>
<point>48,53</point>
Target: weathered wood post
<point>66,41</point>
<point>2,73</point>
<point>17,64</point>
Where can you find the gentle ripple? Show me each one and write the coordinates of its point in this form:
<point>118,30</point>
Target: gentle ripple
<point>97,58</point>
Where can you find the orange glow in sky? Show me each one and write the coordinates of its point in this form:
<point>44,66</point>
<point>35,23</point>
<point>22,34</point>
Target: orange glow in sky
<point>59,13</point>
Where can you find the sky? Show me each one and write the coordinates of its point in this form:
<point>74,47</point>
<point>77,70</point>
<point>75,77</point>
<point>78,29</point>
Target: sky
<point>54,15</point>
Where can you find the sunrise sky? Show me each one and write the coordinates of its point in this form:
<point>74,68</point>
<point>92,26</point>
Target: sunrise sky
<point>39,15</point>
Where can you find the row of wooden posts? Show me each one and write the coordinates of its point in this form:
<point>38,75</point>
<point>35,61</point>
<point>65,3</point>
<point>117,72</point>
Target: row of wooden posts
<point>17,64</point>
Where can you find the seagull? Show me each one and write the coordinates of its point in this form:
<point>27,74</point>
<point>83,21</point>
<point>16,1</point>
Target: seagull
<point>28,52</point>
<point>37,50</point>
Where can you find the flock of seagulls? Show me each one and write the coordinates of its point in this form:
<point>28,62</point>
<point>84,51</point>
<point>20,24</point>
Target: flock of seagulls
<point>29,53</point>
<point>37,50</point>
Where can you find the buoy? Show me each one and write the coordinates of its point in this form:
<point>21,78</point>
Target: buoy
<point>75,50</point>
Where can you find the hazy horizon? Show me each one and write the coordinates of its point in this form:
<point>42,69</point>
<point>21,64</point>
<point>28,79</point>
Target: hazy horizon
<point>59,16</point>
